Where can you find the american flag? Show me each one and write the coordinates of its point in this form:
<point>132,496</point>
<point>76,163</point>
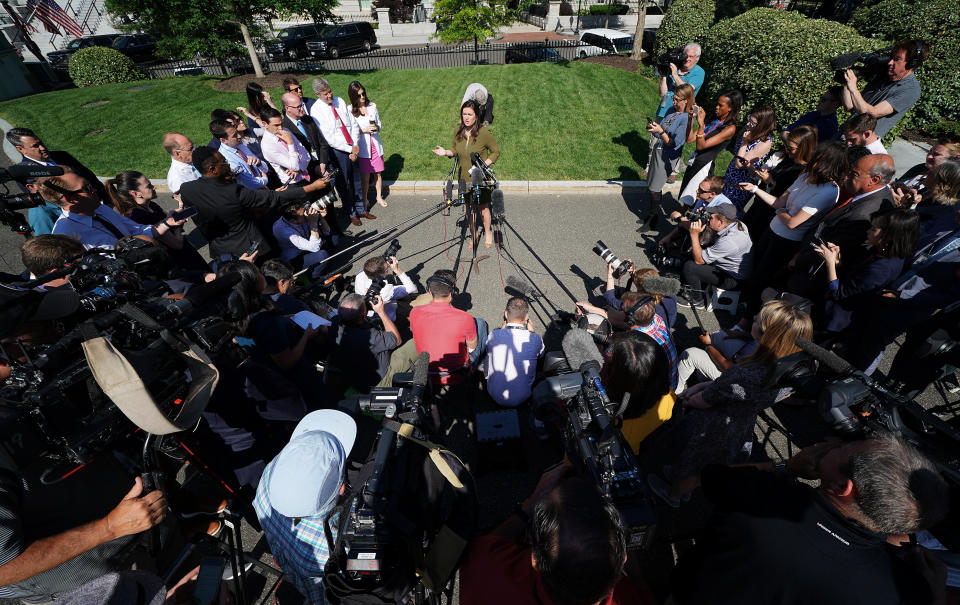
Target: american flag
<point>49,12</point>
<point>17,20</point>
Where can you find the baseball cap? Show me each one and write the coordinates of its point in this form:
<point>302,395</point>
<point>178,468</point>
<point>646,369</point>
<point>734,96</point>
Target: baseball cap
<point>306,475</point>
<point>727,210</point>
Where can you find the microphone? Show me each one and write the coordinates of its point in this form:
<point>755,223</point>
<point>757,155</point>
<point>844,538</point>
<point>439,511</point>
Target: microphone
<point>496,203</point>
<point>420,376</point>
<point>662,286</point>
<point>582,354</point>
<point>475,179</point>
<point>830,359</point>
<point>448,192</point>
<point>461,187</point>
<point>521,288</point>
<point>27,173</point>
<point>200,294</point>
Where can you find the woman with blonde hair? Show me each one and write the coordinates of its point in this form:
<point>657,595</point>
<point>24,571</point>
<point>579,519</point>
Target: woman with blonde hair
<point>715,419</point>
<point>670,134</point>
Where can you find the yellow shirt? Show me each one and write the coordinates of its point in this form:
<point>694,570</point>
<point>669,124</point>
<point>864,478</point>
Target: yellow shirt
<point>635,430</point>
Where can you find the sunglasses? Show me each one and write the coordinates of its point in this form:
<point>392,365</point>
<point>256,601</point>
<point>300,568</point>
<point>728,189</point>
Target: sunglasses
<point>295,89</point>
<point>702,192</point>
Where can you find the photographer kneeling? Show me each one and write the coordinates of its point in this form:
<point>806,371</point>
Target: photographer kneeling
<point>363,349</point>
<point>390,293</point>
<point>304,236</point>
<point>709,193</point>
<point>726,262</point>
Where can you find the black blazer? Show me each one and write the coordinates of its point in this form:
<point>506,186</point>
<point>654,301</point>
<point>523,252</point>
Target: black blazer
<point>314,140</point>
<point>62,158</point>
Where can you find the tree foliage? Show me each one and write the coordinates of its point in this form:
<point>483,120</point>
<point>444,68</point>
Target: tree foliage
<point>685,21</point>
<point>470,20</point>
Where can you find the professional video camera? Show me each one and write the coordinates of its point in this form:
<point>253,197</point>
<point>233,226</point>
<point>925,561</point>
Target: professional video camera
<point>10,202</point>
<point>866,66</point>
<point>619,267</point>
<point>592,440</point>
<point>678,57</point>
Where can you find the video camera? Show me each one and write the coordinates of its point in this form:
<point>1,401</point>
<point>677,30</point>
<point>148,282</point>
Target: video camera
<point>866,66</point>
<point>677,56</point>
<point>619,267</point>
<point>592,440</point>
<point>10,203</point>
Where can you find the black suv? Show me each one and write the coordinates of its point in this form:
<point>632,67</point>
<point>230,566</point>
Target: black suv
<point>139,47</point>
<point>532,53</point>
<point>291,42</point>
<point>340,39</point>
<point>60,59</point>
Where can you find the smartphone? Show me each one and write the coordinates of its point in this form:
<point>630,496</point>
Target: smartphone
<point>253,247</point>
<point>650,120</point>
<point>187,212</point>
<point>208,581</point>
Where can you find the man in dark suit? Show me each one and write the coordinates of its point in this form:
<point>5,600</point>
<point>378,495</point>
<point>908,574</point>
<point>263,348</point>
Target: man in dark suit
<point>847,223</point>
<point>230,215</point>
<point>304,127</point>
<point>34,152</point>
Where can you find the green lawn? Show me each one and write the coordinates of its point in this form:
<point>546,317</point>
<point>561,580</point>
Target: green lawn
<point>553,122</point>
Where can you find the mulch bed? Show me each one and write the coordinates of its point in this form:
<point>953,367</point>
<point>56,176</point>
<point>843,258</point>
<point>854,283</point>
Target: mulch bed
<point>918,137</point>
<point>618,61</point>
<point>271,80</point>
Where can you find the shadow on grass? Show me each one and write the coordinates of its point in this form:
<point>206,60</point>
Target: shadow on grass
<point>393,166</point>
<point>637,144</point>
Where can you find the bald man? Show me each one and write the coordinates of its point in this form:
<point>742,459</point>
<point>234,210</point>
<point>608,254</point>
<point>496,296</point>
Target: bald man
<point>304,127</point>
<point>181,161</point>
<point>868,182</point>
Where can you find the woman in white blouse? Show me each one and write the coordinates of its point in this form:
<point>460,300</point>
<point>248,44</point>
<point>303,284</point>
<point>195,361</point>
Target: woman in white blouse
<point>370,159</point>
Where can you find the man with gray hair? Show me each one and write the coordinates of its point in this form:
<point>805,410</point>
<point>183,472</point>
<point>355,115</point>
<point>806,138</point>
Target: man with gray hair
<point>690,73</point>
<point>363,350</point>
<point>477,92</point>
<point>774,539</point>
<point>341,132</point>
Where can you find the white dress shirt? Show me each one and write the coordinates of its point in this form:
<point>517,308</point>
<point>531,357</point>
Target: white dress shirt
<point>93,234</point>
<point>330,127</point>
<point>368,140</point>
<point>251,177</point>
<point>283,157</point>
<point>876,147</point>
<point>179,174</point>
<point>388,294</point>
<point>295,238</point>
<point>511,364</point>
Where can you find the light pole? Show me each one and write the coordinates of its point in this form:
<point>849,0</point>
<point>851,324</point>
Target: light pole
<point>576,30</point>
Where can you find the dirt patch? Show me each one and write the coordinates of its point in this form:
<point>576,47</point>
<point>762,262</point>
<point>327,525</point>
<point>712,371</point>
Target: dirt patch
<point>94,103</point>
<point>271,80</point>
<point>618,61</point>
<point>94,133</point>
<point>918,137</point>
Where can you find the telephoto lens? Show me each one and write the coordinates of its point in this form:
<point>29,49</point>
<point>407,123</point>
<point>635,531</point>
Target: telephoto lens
<point>392,250</point>
<point>619,267</point>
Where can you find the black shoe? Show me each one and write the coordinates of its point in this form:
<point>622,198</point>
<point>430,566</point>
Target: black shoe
<point>649,224</point>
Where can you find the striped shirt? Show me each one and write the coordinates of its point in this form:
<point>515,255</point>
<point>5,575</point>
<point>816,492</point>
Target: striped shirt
<point>299,546</point>
<point>658,330</point>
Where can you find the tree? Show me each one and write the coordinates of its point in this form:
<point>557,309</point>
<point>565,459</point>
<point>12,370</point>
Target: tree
<point>465,20</point>
<point>637,53</point>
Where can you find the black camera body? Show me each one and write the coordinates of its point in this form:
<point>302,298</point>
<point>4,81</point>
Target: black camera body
<point>700,214</point>
<point>677,56</point>
<point>620,267</point>
<point>376,285</point>
<point>671,260</point>
<point>866,66</point>
<point>391,250</point>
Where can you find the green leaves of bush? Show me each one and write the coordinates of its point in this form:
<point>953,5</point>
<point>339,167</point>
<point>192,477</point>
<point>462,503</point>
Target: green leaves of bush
<point>609,9</point>
<point>776,58</point>
<point>685,21</point>
<point>98,65</point>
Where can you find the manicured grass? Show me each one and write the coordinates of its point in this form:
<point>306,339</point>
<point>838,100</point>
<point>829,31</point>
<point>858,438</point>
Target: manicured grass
<point>575,121</point>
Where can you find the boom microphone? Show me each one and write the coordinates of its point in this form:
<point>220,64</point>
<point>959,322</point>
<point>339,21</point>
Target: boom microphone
<point>828,358</point>
<point>475,179</point>
<point>581,352</point>
<point>662,286</point>
<point>448,192</point>
<point>521,288</point>
<point>496,203</point>
<point>461,187</point>
<point>24,173</point>
<point>420,376</point>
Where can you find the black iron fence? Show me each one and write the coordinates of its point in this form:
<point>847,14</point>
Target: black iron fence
<point>387,58</point>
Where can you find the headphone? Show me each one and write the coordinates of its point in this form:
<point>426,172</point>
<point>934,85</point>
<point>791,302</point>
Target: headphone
<point>439,279</point>
<point>639,304</point>
<point>914,62</point>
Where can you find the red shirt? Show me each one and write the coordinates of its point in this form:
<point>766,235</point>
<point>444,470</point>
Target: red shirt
<point>498,570</point>
<point>443,331</point>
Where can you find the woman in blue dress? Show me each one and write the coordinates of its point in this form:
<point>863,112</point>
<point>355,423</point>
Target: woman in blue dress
<point>752,147</point>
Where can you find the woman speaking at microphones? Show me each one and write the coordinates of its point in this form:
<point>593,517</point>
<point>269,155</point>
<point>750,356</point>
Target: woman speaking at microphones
<point>469,138</point>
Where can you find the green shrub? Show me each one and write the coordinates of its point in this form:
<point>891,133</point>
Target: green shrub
<point>731,8</point>
<point>776,58</point>
<point>98,65</point>
<point>609,9</point>
<point>566,9</point>
<point>943,130</point>
<point>685,21</point>
<point>898,19</point>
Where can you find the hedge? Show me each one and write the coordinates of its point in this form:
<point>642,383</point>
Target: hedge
<point>98,65</point>
<point>776,58</point>
<point>609,9</point>
<point>685,21</point>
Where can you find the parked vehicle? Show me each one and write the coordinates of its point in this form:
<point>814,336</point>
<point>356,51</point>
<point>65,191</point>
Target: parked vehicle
<point>532,53</point>
<point>291,42</point>
<point>343,38</point>
<point>60,59</point>
<point>603,42</point>
<point>139,47</point>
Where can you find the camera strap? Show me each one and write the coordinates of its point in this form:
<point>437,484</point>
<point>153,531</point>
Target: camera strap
<point>435,452</point>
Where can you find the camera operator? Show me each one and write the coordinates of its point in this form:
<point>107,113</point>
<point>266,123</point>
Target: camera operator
<point>726,262</point>
<point>689,73</point>
<point>390,293</point>
<point>364,351</point>
<point>304,236</point>
<point>297,491</point>
<point>85,219</point>
<point>845,541</point>
<point>888,97</point>
<point>575,555</point>
<point>709,193</point>
<point>58,536</point>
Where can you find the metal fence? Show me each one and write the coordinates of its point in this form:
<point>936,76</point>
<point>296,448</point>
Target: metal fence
<point>388,58</point>
<point>532,19</point>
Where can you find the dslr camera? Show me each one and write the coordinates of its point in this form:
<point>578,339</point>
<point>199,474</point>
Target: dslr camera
<point>374,290</point>
<point>677,56</point>
<point>391,250</point>
<point>620,267</point>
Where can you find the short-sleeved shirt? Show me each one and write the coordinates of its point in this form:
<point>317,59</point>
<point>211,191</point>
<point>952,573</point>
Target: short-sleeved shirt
<point>810,198</point>
<point>826,125</point>
<point>731,251</point>
<point>675,123</point>
<point>901,95</point>
<point>443,331</point>
<point>694,78</point>
<point>512,354</point>
<point>363,354</point>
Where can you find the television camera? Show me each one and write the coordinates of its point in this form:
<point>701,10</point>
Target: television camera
<point>866,66</point>
<point>11,203</point>
<point>677,57</point>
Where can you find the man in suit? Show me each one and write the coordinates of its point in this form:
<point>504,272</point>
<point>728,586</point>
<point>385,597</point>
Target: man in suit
<point>847,223</point>
<point>291,84</point>
<point>304,127</point>
<point>42,218</point>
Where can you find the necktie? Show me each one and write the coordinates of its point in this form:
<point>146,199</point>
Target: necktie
<point>343,128</point>
<point>253,169</point>
<point>196,173</point>
<point>302,129</point>
<point>108,225</point>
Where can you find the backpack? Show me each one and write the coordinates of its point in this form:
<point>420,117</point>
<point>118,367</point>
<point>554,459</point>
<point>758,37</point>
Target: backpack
<point>413,544</point>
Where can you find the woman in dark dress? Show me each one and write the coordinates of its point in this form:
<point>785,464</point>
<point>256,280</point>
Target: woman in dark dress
<point>131,194</point>
<point>713,136</point>
<point>714,419</point>
<point>752,147</point>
